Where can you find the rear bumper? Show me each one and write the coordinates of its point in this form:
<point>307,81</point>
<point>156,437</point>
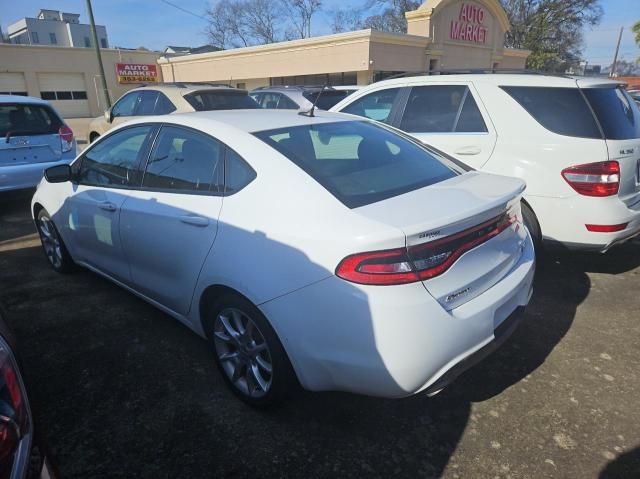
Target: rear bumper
<point>393,341</point>
<point>27,176</point>
<point>563,221</point>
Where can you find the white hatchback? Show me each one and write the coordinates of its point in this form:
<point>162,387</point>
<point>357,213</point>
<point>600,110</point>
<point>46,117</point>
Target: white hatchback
<point>327,249</point>
<point>575,141</point>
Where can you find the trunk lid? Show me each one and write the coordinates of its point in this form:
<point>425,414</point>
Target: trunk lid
<point>619,118</point>
<point>463,209</point>
<point>30,149</point>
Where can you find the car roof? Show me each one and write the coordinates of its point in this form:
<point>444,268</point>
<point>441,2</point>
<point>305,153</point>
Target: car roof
<point>22,99</point>
<point>503,79</point>
<point>249,120</point>
<point>186,88</point>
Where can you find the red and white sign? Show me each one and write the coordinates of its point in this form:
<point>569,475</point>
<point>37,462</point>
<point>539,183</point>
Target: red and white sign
<point>137,73</point>
<point>469,26</point>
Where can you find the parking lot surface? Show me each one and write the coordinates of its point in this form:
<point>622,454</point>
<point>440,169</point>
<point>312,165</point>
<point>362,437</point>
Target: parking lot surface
<point>122,390</point>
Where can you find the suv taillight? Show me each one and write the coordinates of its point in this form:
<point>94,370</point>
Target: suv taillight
<point>15,421</point>
<point>66,138</point>
<point>594,179</point>
<point>423,261</point>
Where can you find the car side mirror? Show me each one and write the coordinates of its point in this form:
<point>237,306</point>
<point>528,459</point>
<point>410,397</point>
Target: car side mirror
<point>58,174</point>
<point>108,115</point>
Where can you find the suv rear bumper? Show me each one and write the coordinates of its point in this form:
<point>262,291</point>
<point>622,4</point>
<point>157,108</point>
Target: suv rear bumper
<point>563,221</point>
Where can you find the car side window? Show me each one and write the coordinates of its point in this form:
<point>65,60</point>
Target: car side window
<point>433,109</point>
<point>238,173</point>
<point>164,106</point>
<point>147,103</point>
<point>113,162</point>
<point>470,119</point>
<point>185,161</point>
<point>126,105</point>
<point>376,106</point>
<point>287,103</point>
<point>270,100</point>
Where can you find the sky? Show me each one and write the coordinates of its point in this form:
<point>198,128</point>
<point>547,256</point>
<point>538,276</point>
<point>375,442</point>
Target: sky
<point>155,24</point>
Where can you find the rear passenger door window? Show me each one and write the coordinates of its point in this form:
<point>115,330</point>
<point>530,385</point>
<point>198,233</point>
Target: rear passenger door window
<point>450,117</point>
<point>376,106</point>
<point>185,161</point>
<point>442,109</point>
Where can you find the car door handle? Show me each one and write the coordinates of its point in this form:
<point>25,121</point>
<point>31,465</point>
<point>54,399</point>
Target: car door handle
<point>468,150</point>
<point>107,206</point>
<point>195,220</point>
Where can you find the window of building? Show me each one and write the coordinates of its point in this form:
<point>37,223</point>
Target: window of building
<point>185,161</point>
<point>79,95</point>
<point>34,37</point>
<point>87,42</point>
<point>19,93</point>
<point>114,161</point>
<point>63,95</point>
<point>53,39</point>
<point>48,95</point>
<point>103,42</point>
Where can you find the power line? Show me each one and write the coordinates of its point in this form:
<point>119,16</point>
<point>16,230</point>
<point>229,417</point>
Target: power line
<point>183,9</point>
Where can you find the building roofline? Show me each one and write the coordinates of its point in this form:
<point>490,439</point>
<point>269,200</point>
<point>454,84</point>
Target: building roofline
<point>348,37</point>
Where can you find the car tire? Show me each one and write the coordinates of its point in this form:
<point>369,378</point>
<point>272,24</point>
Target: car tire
<point>247,351</point>
<point>54,248</point>
<point>531,222</point>
<point>93,136</point>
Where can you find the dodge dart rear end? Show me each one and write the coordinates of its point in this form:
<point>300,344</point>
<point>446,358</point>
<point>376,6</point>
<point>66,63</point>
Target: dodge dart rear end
<point>334,250</point>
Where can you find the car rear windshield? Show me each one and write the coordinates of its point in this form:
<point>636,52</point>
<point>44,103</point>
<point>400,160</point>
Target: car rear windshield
<point>359,162</point>
<point>617,113</point>
<point>327,99</point>
<point>220,100</point>
<point>27,119</point>
<point>560,110</point>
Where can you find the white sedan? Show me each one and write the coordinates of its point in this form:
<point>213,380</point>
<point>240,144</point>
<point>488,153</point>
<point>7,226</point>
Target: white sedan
<point>327,249</point>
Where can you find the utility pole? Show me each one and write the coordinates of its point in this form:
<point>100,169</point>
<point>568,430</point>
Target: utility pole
<point>615,57</point>
<point>97,45</point>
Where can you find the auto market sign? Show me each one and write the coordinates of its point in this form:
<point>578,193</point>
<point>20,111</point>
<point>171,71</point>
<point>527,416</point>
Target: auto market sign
<point>136,73</point>
<point>469,25</point>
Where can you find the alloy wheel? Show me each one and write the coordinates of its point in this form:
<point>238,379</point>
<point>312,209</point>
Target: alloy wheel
<point>50,241</point>
<point>243,352</point>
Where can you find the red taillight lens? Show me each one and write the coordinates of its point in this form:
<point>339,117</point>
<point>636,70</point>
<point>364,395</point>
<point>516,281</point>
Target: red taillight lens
<point>423,261</point>
<point>606,228</point>
<point>15,420</point>
<point>594,179</point>
<point>66,138</point>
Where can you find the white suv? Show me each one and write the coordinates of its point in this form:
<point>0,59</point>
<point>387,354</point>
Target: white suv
<point>575,141</point>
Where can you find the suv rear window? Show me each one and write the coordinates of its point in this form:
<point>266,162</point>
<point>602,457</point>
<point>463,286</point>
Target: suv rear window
<point>359,162</point>
<point>327,99</point>
<point>617,113</point>
<point>28,119</point>
<point>561,110</point>
<point>220,100</point>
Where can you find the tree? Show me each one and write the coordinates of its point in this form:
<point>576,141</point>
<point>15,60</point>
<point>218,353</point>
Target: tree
<point>636,31</point>
<point>551,29</point>
<point>390,17</point>
<point>345,20</point>
<point>303,11</point>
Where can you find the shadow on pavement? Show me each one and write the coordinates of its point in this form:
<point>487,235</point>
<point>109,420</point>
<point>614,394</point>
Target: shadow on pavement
<point>625,466</point>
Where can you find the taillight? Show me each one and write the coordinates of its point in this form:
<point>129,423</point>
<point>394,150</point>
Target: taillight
<point>66,138</point>
<point>423,261</point>
<point>606,228</point>
<point>15,421</point>
<point>594,179</point>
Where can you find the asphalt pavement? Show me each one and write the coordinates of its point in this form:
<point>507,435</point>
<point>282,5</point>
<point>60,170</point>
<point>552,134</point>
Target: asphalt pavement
<point>123,390</point>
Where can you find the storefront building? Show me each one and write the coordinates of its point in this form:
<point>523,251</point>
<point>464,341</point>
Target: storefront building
<point>442,35</point>
<point>69,77</point>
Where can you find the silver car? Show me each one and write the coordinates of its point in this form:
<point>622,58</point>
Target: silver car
<point>33,137</point>
<point>298,97</point>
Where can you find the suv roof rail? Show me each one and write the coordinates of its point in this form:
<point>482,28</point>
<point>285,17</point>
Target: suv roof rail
<point>187,84</point>
<point>474,71</point>
<point>291,87</point>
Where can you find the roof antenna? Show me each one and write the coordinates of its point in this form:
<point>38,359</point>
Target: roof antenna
<point>309,112</point>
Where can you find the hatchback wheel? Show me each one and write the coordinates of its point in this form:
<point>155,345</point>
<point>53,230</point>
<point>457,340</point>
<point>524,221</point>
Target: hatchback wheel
<point>248,352</point>
<point>52,244</point>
